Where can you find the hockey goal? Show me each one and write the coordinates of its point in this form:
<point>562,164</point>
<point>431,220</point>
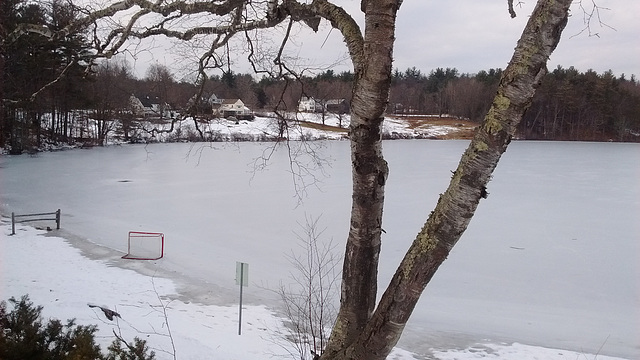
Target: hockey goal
<point>145,246</point>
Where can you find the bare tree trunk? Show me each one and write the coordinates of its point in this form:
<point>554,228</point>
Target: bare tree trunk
<point>3,111</point>
<point>457,205</point>
<point>369,174</point>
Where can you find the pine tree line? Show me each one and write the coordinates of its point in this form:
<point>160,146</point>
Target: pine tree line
<point>39,106</point>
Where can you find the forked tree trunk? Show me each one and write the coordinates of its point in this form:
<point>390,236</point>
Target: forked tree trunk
<point>456,206</point>
<point>360,332</point>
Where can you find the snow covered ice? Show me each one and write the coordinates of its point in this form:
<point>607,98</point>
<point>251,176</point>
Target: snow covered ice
<point>548,263</point>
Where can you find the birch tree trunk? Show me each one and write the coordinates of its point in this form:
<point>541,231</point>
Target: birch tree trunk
<point>369,173</point>
<point>455,207</point>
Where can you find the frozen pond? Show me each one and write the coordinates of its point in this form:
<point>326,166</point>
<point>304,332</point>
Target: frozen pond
<point>550,259</point>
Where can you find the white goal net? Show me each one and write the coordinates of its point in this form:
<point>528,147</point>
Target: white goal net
<point>145,246</point>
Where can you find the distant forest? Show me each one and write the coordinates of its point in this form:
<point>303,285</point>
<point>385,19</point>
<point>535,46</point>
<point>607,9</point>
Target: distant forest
<point>37,104</point>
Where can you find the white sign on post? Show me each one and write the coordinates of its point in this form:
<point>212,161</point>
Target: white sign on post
<point>242,274</point>
<point>242,279</point>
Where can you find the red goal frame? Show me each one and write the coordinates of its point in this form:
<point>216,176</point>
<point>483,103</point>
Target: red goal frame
<point>143,234</point>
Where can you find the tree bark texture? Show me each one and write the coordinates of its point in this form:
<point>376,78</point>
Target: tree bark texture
<point>457,205</point>
<point>369,173</point>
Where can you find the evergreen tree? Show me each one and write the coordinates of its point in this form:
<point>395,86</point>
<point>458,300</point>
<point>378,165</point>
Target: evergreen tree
<point>25,336</point>
<point>32,66</point>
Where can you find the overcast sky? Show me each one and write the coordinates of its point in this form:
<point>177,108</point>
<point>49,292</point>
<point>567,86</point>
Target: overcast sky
<point>473,35</point>
<point>478,34</point>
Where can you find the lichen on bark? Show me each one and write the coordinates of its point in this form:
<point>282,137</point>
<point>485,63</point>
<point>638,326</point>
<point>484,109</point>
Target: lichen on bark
<point>492,121</point>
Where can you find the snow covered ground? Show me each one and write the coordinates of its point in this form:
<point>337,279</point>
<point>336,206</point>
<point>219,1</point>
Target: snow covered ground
<point>57,275</point>
<point>549,261</point>
<point>266,127</point>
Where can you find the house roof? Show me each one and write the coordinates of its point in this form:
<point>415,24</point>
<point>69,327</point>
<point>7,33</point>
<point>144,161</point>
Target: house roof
<point>148,101</point>
<point>230,101</point>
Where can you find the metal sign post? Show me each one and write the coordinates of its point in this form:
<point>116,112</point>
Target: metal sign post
<point>242,279</point>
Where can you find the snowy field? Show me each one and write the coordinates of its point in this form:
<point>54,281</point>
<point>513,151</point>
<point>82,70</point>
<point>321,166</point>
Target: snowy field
<point>262,128</point>
<point>548,263</point>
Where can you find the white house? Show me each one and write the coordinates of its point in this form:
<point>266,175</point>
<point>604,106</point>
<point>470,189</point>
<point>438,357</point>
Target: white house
<point>236,108</point>
<point>148,106</point>
<point>309,104</point>
<point>214,100</point>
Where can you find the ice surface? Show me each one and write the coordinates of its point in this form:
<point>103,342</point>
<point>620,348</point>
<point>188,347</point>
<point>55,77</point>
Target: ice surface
<point>550,259</point>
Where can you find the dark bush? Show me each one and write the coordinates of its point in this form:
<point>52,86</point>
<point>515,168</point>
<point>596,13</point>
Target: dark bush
<point>24,336</point>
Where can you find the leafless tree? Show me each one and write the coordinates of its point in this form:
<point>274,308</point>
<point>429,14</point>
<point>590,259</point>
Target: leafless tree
<point>160,78</point>
<point>112,91</point>
<point>309,301</point>
<point>364,329</point>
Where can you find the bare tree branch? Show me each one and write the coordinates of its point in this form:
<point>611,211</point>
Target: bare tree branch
<point>590,13</point>
<point>512,12</point>
<point>272,14</point>
<point>309,301</point>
